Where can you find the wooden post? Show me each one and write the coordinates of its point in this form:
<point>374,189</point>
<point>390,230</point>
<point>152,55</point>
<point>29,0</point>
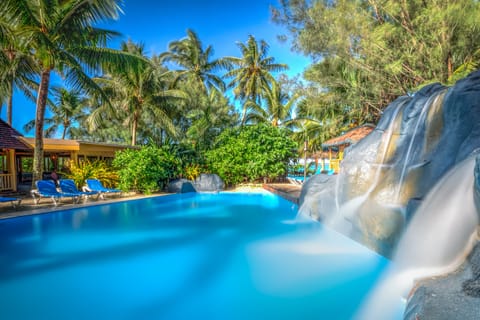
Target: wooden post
<point>305,148</point>
<point>11,168</point>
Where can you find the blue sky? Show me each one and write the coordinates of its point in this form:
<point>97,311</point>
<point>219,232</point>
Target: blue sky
<point>220,24</point>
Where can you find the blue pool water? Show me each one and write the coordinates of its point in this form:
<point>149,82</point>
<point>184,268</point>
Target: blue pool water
<point>194,256</point>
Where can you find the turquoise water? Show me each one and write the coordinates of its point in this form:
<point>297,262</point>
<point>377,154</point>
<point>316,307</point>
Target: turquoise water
<point>194,256</point>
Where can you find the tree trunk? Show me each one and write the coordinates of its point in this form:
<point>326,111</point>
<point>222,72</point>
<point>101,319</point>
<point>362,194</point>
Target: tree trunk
<point>449,65</point>
<point>134,128</point>
<point>10,105</point>
<point>39,118</point>
<point>64,133</point>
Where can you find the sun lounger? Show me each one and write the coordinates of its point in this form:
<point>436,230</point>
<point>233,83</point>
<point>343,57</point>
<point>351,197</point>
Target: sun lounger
<point>96,185</point>
<point>68,186</point>
<point>295,181</point>
<point>14,201</point>
<point>47,189</point>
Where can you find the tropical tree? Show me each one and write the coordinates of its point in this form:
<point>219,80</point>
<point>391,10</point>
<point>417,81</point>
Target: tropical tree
<point>194,62</point>
<point>210,117</point>
<point>278,107</point>
<point>251,153</point>
<point>17,69</point>
<point>67,109</point>
<point>135,90</point>
<point>252,72</point>
<point>370,52</point>
<point>63,38</point>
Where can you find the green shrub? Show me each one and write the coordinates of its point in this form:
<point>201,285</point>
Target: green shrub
<point>91,170</point>
<point>192,171</point>
<point>145,170</point>
<point>251,153</point>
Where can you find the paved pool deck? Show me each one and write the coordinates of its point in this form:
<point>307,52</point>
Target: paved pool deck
<point>288,191</point>
<point>28,207</point>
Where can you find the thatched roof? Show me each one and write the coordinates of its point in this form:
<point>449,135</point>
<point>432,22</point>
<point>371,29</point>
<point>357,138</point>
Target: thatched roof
<point>350,137</point>
<point>9,138</point>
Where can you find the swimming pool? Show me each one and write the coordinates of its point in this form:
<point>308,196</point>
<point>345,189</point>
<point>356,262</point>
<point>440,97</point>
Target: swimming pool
<point>190,256</point>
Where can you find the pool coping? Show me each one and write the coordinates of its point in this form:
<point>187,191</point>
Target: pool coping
<point>287,191</point>
<point>49,208</point>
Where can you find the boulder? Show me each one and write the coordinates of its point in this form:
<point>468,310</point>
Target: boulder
<point>453,296</point>
<point>208,182</point>
<point>180,186</point>
<point>386,175</point>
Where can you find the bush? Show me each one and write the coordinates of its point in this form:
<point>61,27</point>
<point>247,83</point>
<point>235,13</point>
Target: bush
<point>251,153</point>
<point>192,171</point>
<point>91,170</point>
<point>145,170</point>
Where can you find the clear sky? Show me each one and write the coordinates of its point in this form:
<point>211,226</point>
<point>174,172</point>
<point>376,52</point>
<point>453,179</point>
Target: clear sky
<point>221,24</point>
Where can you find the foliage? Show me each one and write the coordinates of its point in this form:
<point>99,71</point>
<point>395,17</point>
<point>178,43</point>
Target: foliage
<point>211,115</point>
<point>67,111</point>
<point>145,169</point>
<point>252,73</point>
<point>367,53</point>
<point>278,107</point>
<point>195,63</point>
<point>91,170</point>
<point>250,153</point>
<point>61,36</point>
<point>135,93</point>
<point>192,171</point>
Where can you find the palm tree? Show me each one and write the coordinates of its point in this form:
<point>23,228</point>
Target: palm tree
<point>252,73</point>
<point>16,67</point>
<point>194,62</point>
<point>136,90</point>
<point>62,38</point>
<point>210,117</point>
<point>278,108</point>
<point>67,110</point>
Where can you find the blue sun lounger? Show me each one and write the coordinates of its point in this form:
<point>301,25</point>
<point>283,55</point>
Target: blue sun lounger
<point>96,185</point>
<point>15,201</point>
<point>47,189</point>
<point>68,186</point>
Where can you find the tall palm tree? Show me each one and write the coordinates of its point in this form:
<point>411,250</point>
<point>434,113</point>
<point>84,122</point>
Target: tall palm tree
<point>67,110</point>
<point>278,107</point>
<point>194,62</point>
<point>252,73</point>
<point>135,90</point>
<point>210,117</point>
<point>62,38</point>
<point>17,69</point>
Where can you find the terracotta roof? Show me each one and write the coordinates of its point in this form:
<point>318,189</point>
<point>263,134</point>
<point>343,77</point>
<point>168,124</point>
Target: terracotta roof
<point>350,137</point>
<point>9,138</point>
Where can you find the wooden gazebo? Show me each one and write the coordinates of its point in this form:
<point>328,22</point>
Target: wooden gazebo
<point>10,145</point>
<point>336,146</point>
<point>15,148</point>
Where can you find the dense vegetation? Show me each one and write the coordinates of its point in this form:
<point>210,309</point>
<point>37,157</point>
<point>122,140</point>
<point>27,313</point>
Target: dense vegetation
<point>145,170</point>
<point>249,153</point>
<point>195,107</point>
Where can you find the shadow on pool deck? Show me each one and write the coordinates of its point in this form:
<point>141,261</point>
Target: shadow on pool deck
<point>287,191</point>
<point>28,207</point>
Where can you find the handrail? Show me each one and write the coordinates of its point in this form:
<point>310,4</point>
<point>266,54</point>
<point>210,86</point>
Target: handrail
<point>6,181</point>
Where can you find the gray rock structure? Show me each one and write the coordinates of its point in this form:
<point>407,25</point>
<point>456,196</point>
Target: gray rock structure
<point>454,296</point>
<point>386,176</point>
<point>180,186</point>
<point>207,182</point>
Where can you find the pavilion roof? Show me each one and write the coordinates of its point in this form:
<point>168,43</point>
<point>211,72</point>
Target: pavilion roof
<point>9,138</point>
<point>352,136</point>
